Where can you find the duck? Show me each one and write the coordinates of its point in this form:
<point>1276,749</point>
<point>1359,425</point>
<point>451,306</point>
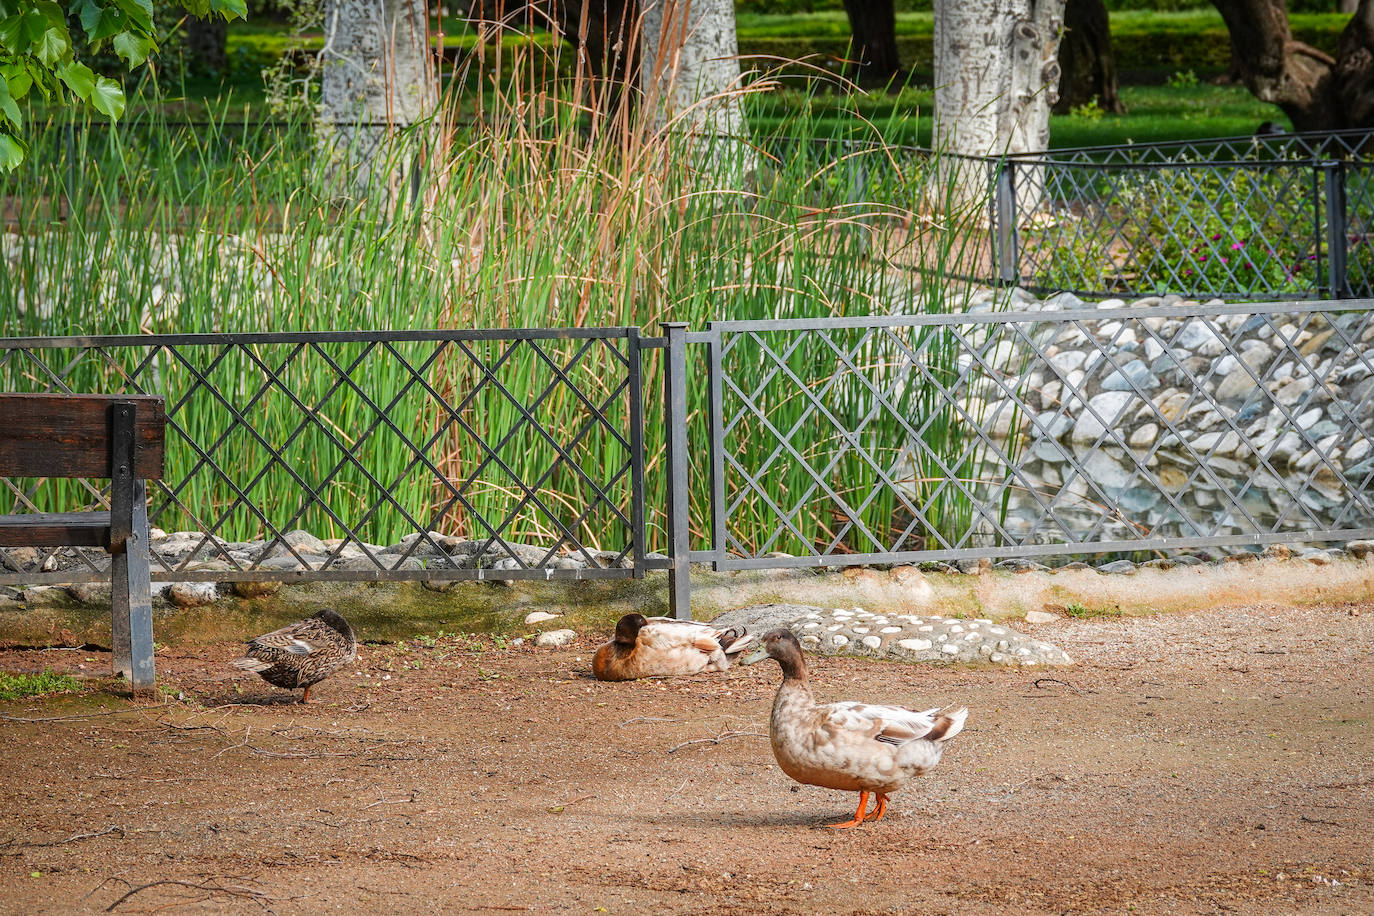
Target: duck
<point>666,647</point>
<point>849,746</point>
<point>303,653</point>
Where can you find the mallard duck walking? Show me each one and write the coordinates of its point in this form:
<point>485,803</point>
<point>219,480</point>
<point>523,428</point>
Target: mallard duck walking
<point>664,647</point>
<point>302,654</point>
<point>853,747</point>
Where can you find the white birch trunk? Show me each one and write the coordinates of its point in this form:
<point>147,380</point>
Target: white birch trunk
<point>690,76</point>
<point>378,74</point>
<point>996,77</point>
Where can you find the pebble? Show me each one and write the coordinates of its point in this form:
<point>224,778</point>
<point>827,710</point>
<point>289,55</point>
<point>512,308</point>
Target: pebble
<point>554,639</point>
<point>534,617</point>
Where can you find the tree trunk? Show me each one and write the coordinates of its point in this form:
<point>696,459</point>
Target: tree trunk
<point>691,72</point>
<point>996,77</point>
<point>1316,90</point>
<point>605,32</point>
<point>378,74</point>
<point>873,46</point>
<point>205,45</point>
<point>1086,60</point>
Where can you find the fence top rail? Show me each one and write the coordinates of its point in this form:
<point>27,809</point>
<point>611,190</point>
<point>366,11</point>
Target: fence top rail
<point>1039,160</point>
<point>1012,317</point>
<point>309,337</point>
<point>1269,140</point>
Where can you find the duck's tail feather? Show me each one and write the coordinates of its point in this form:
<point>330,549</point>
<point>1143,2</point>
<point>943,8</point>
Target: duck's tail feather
<point>736,639</point>
<point>948,724</point>
<point>251,664</point>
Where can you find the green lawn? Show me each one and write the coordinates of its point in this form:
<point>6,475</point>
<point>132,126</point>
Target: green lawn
<point>1155,112</point>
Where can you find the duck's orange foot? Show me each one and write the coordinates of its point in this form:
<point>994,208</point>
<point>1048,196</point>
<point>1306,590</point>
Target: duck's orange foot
<point>305,698</point>
<point>858,817</point>
<point>879,810</point>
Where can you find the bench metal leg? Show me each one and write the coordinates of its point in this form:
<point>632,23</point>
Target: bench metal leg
<point>131,602</point>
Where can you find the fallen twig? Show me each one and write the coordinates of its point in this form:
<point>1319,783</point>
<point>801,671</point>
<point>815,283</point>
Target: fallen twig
<point>84,715</point>
<point>723,736</point>
<point>71,839</point>
<point>638,719</point>
<point>558,808</point>
<point>245,892</point>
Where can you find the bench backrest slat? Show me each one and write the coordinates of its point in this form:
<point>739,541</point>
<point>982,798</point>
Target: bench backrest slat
<point>69,435</point>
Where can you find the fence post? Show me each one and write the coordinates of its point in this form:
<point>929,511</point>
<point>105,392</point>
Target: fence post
<point>675,438</point>
<point>1337,277</point>
<point>1008,258</point>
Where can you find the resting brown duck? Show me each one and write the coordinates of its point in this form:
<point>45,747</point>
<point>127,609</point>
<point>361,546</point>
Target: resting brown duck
<point>665,647</point>
<point>302,654</point>
<point>854,747</point>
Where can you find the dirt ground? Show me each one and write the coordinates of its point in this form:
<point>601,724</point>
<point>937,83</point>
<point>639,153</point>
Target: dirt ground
<point>1197,763</point>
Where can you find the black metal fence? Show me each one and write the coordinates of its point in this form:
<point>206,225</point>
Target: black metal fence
<point>412,455</point>
<point>519,454</point>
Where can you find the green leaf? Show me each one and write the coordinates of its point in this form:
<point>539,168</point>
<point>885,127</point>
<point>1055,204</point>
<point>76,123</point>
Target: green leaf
<point>54,46</point>
<point>11,153</point>
<point>112,21</point>
<point>140,14</point>
<point>230,9</point>
<point>8,110</point>
<point>108,97</point>
<point>18,78</point>
<point>89,11</point>
<point>20,32</point>
<point>79,79</point>
<point>133,48</point>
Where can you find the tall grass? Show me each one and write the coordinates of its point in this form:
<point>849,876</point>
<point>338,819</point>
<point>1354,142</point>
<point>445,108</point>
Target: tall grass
<point>543,212</point>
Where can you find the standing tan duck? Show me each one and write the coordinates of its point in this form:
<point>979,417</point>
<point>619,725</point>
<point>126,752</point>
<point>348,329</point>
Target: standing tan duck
<point>853,747</point>
<point>302,654</point>
<point>665,647</point>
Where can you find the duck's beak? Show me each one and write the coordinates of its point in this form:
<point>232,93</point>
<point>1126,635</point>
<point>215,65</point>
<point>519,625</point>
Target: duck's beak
<point>759,653</point>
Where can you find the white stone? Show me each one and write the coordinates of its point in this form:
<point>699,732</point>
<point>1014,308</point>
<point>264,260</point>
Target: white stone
<point>872,642</point>
<point>925,629</point>
<point>1104,411</point>
<point>1039,617</point>
<point>840,640</point>
<point>950,649</point>
<point>956,628</point>
<point>539,617</point>
<point>1145,436</point>
<point>890,630</point>
<point>553,639</point>
<point>861,629</point>
<point>810,626</point>
<point>915,645</point>
<point>836,627</point>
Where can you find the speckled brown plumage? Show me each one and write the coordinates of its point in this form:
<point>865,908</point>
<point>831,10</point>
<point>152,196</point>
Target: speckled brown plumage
<point>302,654</point>
<point>853,747</point>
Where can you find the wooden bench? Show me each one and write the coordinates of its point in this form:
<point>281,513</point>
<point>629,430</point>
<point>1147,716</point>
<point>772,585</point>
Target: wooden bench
<point>119,437</point>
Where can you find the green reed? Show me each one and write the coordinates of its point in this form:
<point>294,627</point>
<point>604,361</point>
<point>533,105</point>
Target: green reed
<point>536,214</point>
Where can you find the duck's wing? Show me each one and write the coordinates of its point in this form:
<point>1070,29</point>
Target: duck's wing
<point>303,638</point>
<point>728,639</point>
<point>666,634</point>
<point>888,724</point>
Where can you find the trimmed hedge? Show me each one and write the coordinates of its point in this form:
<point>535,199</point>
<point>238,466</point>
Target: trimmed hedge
<point>1164,50</point>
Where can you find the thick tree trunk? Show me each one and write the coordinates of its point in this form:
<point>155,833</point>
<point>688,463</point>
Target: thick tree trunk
<point>873,46</point>
<point>691,73</point>
<point>205,44</point>
<point>996,77</point>
<point>605,32</point>
<point>1316,90</point>
<point>1086,61</point>
<point>378,74</point>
